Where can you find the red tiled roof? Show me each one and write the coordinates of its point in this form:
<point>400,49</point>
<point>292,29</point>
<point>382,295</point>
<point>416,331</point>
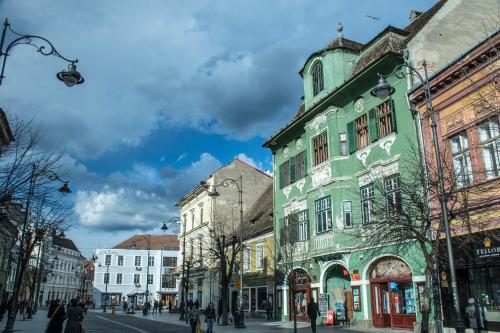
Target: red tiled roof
<point>158,242</point>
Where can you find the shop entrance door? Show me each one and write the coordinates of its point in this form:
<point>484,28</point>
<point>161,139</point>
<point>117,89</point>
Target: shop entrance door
<point>381,308</point>
<point>302,298</point>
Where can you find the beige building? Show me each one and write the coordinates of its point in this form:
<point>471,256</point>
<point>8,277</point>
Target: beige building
<point>200,213</point>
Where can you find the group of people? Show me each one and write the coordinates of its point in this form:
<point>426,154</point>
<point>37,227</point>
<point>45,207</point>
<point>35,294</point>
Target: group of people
<point>193,317</point>
<point>73,314</point>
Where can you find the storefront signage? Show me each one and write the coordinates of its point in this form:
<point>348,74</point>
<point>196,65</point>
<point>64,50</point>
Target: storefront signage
<point>488,250</point>
<point>355,275</point>
<point>323,304</point>
<point>356,299</point>
<point>340,312</point>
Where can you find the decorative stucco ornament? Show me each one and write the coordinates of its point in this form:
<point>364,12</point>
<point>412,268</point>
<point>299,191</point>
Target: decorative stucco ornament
<point>387,142</point>
<point>299,144</point>
<point>321,175</point>
<point>287,190</point>
<point>362,155</point>
<point>286,152</point>
<point>300,184</point>
<point>317,122</point>
<point>359,105</point>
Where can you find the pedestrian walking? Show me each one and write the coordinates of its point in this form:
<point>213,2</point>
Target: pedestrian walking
<point>57,315</point>
<point>160,306</point>
<point>210,317</point>
<point>220,310</point>
<point>269,309</point>
<point>75,317</point>
<point>194,319</point>
<point>472,315</point>
<point>155,307</point>
<point>169,306</point>
<point>182,309</point>
<point>312,313</point>
<point>125,306</point>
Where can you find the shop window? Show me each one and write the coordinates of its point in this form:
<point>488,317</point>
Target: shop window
<point>246,299</point>
<point>261,298</point>
<point>461,159</point>
<point>404,299</point>
<point>320,148</point>
<point>322,208</point>
<point>317,77</point>
<point>489,135</point>
<point>367,203</point>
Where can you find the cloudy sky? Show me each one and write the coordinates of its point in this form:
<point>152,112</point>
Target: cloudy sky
<point>173,90</point>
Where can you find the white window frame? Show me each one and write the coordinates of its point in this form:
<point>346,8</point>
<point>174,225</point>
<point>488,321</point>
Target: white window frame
<point>120,260</point>
<point>259,256</point>
<point>367,193</point>
<point>303,225</point>
<point>137,279</point>
<point>119,278</point>
<point>462,162</point>
<point>138,261</point>
<point>247,258</point>
<point>150,279</point>
<point>489,136</point>
<point>347,210</point>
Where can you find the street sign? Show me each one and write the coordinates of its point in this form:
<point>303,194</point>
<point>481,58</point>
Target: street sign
<point>323,304</point>
<point>237,284</point>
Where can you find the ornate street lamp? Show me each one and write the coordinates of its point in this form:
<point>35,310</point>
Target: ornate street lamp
<point>164,228</point>
<point>70,76</point>
<point>382,90</point>
<point>214,194</point>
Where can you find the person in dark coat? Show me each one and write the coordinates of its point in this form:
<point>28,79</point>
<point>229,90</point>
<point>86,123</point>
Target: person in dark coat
<point>472,315</point>
<point>210,317</point>
<point>75,317</point>
<point>312,313</point>
<point>57,315</point>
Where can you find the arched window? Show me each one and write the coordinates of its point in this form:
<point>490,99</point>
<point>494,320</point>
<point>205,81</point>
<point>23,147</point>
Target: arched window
<point>317,77</point>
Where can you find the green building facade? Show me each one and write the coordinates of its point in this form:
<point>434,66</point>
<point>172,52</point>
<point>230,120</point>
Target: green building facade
<point>325,162</point>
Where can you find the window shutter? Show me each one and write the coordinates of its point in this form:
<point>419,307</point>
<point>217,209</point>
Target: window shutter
<point>351,136</point>
<point>393,115</point>
<point>294,228</point>
<point>304,157</point>
<point>372,125</point>
<point>282,175</point>
<point>292,163</point>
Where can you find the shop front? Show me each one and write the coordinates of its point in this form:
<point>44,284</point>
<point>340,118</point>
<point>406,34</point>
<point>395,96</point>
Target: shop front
<point>477,265</point>
<point>337,287</point>
<point>392,294</point>
<point>302,283</point>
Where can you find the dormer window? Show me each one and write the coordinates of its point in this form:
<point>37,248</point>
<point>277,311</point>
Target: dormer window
<point>317,77</point>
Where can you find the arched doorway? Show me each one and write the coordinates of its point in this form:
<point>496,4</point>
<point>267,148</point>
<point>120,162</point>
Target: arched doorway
<point>299,286</point>
<point>337,285</point>
<point>392,293</point>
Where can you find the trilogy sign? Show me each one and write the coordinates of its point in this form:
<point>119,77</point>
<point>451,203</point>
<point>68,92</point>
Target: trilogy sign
<point>488,250</point>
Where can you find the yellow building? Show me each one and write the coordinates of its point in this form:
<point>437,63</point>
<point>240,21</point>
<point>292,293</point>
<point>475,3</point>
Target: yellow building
<point>258,258</point>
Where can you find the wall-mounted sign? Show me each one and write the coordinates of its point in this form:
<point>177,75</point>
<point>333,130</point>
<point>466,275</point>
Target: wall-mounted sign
<point>489,249</point>
<point>393,285</point>
<point>356,299</point>
<point>323,304</point>
<point>355,275</point>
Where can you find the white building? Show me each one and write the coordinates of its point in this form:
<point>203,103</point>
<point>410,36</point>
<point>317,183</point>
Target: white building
<point>65,271</point>
<point>122,271</point>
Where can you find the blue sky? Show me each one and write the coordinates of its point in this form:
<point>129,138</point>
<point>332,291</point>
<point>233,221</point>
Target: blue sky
<point>173,90</point>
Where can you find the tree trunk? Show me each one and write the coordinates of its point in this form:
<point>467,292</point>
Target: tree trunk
<point>426,303</point>
<point>224,297</point>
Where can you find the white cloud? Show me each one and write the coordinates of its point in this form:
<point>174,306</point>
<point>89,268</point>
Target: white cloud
<point>139,199</point>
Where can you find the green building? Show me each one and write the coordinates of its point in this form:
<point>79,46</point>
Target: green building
<point>325,161</point>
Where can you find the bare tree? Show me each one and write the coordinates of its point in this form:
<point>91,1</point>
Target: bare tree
<point>405,214</point>
<point>27,177</point>
<point>223,248</point>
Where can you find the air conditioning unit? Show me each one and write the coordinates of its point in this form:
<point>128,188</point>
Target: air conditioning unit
<point>138,268</point>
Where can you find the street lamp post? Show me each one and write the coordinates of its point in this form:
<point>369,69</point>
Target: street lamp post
<point>384,89</point>
<point>164,228</point>
<point>18,276</point>
<point>239,185</point>
<point>145,310</point>
<point>106,280</point>
<point>70,76</point>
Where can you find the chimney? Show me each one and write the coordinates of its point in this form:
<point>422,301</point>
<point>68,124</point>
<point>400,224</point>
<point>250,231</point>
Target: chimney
<point>414,14</point>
